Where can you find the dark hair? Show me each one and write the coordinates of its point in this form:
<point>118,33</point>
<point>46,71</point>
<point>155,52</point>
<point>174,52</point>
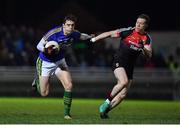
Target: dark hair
<point>146,17</point>
<point>70,17</point>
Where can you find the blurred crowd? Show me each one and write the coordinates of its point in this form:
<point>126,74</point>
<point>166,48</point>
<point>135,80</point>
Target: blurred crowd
<point>17,45</point>
<point>18,48</point>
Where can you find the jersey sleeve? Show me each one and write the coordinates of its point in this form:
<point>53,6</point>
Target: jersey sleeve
<point>50,35</point>
<point>148,40</point>
<point>76,35</point>
<point>124,32</point>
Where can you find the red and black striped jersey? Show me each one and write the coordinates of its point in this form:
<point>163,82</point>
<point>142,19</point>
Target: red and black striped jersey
<point>132,38</point>
<point>130,47</point>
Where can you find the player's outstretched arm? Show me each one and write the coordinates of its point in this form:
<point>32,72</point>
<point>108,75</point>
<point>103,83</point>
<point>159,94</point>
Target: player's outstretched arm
<point>85,36</point>
<point>114,33</point>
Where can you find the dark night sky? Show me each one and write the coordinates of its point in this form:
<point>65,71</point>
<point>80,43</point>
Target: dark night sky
<point>114,13</point>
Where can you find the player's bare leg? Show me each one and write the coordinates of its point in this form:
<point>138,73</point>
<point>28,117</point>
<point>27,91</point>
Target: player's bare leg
<point>44,85</point>
<point>122,82</point>
<point>120,96</point>
<point>41,85</point>
<point>65,78</point>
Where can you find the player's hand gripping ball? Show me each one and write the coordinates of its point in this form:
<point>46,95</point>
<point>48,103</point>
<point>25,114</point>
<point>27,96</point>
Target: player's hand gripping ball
<point>51,48</point>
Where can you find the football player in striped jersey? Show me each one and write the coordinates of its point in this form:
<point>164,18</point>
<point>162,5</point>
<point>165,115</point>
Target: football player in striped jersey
<point>52,61</point>
<point>133,42</point>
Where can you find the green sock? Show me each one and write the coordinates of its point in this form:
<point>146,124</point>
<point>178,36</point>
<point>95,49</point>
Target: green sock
<point>38,85</point>
<point>67,102</point>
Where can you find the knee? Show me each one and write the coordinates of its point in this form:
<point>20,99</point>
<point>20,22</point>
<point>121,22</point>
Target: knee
<point>44,93</point>
<point>68,86</point>
<point>124,82</point>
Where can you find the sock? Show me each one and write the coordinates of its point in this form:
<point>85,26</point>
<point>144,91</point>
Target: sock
<point>108,101</point>
<point>110,97</point>
<point>67,102</point>
<point>37,85</point>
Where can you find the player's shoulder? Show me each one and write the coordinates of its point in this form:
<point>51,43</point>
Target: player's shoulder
<point>124,32</point>
<point>147,34</point>
<point>53,31</point>
<point>75,33</point>
<point>125,29</point>
<point>148,37</point>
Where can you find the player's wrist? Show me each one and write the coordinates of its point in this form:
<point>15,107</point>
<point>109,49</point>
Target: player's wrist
<point>93,40</point>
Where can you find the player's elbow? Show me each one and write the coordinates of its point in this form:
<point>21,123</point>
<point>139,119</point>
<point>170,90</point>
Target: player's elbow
<point>149,54</point>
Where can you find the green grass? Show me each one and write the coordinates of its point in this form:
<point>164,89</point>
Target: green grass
<point>85,111</point>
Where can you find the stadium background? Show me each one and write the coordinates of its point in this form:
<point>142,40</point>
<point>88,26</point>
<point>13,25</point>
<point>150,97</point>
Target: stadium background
<point>22,24</point>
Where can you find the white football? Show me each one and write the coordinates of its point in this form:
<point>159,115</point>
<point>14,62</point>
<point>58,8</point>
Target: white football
<point>52,43</point>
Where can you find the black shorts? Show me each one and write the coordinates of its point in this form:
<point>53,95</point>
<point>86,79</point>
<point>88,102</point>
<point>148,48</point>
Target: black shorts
<point>126,58</point>
<point>129,68</point>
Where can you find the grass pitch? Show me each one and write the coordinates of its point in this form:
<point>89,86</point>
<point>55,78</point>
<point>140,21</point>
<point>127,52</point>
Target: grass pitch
<point>85,111</point>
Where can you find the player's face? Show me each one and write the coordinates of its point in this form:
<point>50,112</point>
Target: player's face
<point>140,25</point>
<point>68,27</point>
